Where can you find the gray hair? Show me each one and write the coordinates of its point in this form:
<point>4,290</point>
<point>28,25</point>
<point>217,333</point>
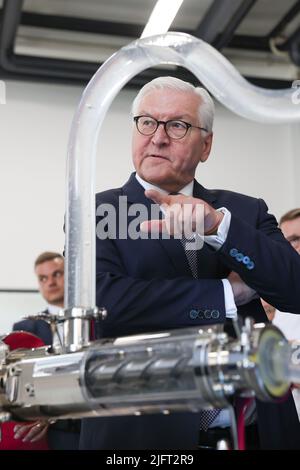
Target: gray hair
<point>206,109</point>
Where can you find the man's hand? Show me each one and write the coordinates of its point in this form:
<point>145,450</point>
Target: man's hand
<point>31,432</point>
<point>241,292</point>
<point>183,214</point>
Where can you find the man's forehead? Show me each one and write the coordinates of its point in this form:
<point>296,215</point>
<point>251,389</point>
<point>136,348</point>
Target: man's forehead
<point>291,226</point>
<point>49,266</point>
<point>169,100</point>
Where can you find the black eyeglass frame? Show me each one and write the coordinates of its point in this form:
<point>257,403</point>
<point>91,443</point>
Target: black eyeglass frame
<point>165,123</point>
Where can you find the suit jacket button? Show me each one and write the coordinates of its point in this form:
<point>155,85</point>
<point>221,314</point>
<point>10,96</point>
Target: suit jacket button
<point>200,314</point>
<point>215,314</point>
<point>239,257</point>
<point>246,260</point>
<point>233,252</point>
<point>193,314</point>
<point>250,265</point>
<point>207,314</point>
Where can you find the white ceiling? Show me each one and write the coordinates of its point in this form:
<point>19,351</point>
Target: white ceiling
<point>262,17</point>
<point>91,47</point>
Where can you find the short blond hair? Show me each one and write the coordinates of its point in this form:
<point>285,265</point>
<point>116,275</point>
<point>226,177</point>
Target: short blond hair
<point>47,256</point>
<point>290,215</point>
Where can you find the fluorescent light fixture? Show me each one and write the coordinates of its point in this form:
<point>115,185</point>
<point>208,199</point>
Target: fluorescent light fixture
<point>161,17</point>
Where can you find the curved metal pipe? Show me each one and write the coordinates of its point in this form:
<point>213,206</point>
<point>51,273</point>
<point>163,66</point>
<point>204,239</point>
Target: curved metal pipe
<point>210,67</point>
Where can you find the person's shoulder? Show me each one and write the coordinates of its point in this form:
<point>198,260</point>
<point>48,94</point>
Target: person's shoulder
<point>112,195</point>
<point>30,320</point>
<point>226,196</point>
<point>24,325</point>
<point>109,196</point>
<point>17,324</point>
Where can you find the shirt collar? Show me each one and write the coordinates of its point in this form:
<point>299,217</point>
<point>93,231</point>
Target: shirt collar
<point>53,309</point>
<point>186,191</point>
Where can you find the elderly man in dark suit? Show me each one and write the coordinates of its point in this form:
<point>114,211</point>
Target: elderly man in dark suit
<point>49,269</point>
<point>153,283</point>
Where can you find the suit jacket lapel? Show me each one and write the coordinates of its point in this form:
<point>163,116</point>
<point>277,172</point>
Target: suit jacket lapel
<point>203,193</point>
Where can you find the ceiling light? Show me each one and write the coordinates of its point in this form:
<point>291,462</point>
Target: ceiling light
<point>161,17</point>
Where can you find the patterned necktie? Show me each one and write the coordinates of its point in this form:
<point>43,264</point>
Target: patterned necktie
<point>191,256</point>
<point>207,417</point>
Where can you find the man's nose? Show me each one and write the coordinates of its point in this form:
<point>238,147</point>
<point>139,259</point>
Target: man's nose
<point>160,136</point>
<point>51,280</point>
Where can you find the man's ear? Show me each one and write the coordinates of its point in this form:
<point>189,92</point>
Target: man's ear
<point>207,143</point>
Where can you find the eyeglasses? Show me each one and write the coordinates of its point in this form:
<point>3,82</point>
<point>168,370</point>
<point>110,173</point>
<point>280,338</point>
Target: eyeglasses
<point>175,129</point>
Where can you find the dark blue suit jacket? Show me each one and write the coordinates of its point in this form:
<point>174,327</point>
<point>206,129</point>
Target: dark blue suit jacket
<point>39,328</point>
<point>147,285</point>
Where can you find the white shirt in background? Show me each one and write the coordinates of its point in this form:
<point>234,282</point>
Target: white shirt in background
<point>289,324</point>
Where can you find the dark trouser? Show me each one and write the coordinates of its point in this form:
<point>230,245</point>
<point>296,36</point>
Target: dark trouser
<point>178,431</point>
<point>64,435</point>
<point>208,440</point>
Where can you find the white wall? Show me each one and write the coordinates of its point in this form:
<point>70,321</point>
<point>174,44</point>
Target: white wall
<point>247,157</point>
<point>254,159</point>
<point>14,306</point>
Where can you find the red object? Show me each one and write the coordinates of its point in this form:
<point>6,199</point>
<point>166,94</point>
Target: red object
<point>241,408</point>
<point>20,340</point>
